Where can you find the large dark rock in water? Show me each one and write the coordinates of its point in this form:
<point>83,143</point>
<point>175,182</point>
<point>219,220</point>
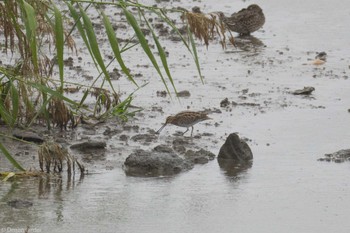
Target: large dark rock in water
<point>338,156</point>
<point>235,149</point>
<point>161,161</point>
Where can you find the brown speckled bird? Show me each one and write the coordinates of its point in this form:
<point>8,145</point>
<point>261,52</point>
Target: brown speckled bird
<point>245,21</point>
<point>185,119</point>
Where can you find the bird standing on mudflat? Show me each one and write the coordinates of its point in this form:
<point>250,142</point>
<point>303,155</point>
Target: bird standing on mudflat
<point>245,21</point>
<point>185,119</point>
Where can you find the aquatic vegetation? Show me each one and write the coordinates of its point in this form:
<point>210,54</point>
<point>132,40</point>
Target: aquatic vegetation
<point>52,156</point>
<point>39,34</point>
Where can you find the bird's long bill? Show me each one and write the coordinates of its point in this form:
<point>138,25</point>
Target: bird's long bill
<point>160,129</point>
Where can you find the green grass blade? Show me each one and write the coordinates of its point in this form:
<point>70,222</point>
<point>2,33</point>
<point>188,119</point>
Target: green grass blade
<point>5,115</point>
<point>59,38</point>
<point>83,98</point>
<point>15,103</point>
<point>42,110</point>
<point>161,52</point>
<point>115,47</point>
<point>53,93</point>
<point>195,55</point>
<point>94,45</point>
<point>141,37</point>
<point>31,25</point>
<point>10,158</point>
<point>81,30</point>
<point>171,24</point>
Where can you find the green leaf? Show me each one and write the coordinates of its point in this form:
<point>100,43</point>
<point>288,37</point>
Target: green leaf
<point>10,158</point>
<point>115,47</point>
<point>161,53</point>
<point>94,45</point>
<point>195,56</point>
<point>81,30</point>
<point>31,25</point>
<point>54,93</point>
<point>141,37</point>
<point>15,103</point>
<point>5,115</point>
<point>59,38</point>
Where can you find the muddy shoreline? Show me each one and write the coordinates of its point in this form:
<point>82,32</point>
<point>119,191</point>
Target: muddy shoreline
<point>249,91</point>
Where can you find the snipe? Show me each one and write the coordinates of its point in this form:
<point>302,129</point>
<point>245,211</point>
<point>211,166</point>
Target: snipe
<point>185,119</point>
<point>245,21</point>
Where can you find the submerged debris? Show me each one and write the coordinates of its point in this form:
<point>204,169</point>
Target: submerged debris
<point>304,91</point>
<point>52,156</point>
<point>19,204</point>
<point>338,156</point>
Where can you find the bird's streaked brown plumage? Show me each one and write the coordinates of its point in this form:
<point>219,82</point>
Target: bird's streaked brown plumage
<point>185,119</point>
<point>245,21</point>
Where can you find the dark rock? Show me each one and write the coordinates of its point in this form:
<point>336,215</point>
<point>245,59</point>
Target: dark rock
<point>123,137</point>
<point>146,31</point>
<point>69,61</point>
<point>163,149</point>
<point>179,145</point>
<point>111,132</point>
<point>338,157</point>
<point>18,204</point>
<point>161,93</point>
<point>115,74</point>
<point>196,9</point>
<point>89,145</point>
<point>144,137</point>
<point>321,56</point>
<point>235,149</point>
<point>180,141</point>
<point>304,91</point>
<point>179,149</point>
<point>162,161</point>
<point>199,157</point>
<point>224,103</point>
<point>28,136</point>
<point>183,94</point>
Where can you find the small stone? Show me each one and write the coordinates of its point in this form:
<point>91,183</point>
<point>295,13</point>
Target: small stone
<point>18,204</point>
<point>183,94</point>
<point>304,91</point>
<point>28,136</point>
<point>224,103</point>
<point>89,145</point>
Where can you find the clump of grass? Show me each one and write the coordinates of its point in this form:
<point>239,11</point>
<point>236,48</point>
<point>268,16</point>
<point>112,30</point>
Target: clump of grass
<point>206,26</point>
<point>105,99</point>
<point>60,114</point>
<point>52,157</point>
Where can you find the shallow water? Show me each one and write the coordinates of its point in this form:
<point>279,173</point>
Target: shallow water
<point>285,190</point>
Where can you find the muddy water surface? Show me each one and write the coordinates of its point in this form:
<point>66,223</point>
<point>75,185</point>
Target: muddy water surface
<point>285,190</point>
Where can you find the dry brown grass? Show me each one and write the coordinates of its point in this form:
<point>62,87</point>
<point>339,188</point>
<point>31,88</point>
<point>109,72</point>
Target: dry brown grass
<point>16,41</point>
<point>206,27</point>
<point>104,99</point>
<point>61,115</point>
<point>52,156</point>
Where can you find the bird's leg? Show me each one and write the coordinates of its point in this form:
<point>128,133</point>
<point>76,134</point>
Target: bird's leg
<point>185,131</point>
<point>192,130</point>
